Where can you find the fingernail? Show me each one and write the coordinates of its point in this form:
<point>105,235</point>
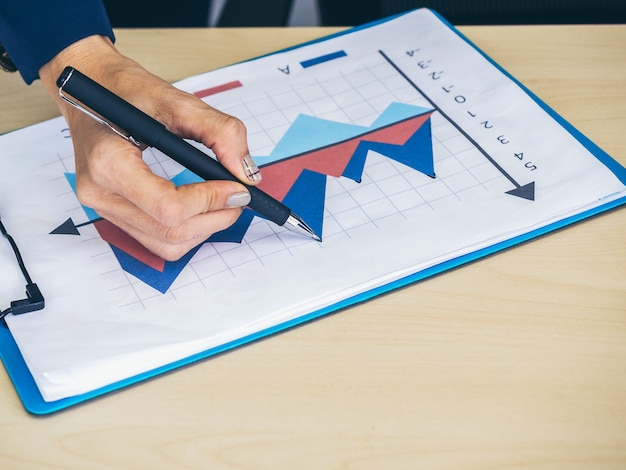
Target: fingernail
<point>252,171</point>
<point>238,199</point>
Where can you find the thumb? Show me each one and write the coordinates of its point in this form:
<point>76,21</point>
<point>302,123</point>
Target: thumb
<point>209,196</point>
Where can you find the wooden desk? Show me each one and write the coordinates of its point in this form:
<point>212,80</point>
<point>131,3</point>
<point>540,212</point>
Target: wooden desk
<point>516,361</point>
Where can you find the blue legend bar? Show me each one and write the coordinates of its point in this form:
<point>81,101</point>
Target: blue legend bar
<point>323,58</point>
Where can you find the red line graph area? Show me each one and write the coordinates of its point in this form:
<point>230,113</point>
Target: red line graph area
<point>279,178</point>
<point>120,239</point>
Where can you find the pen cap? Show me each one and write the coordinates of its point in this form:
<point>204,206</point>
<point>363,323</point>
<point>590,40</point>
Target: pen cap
<point>109,106</point>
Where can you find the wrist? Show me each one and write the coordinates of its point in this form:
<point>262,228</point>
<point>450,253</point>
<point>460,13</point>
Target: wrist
<point>95,56</point>
<point>85,53</point>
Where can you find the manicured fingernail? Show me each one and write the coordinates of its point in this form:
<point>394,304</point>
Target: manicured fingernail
<point>238,199</point>
<point>252,171</point>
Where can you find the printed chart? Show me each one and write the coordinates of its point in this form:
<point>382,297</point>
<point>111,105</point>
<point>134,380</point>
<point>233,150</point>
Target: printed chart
<point>314,140</point>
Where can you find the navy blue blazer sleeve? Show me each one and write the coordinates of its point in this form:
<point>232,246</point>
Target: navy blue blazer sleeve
<point>34,31</point>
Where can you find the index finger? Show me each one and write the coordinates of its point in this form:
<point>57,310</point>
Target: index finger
<point>224,134</point>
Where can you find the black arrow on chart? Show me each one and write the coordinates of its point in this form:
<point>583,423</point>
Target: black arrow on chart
<point>70,228</point>
<point>525,191</point>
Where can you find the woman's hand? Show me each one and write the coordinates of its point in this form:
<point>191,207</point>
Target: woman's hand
<point>111,176</point>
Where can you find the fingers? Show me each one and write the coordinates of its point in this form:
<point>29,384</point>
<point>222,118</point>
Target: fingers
<point>172,228</point>
<point>166,219</point>
<point>170,242</point>
<point>128,176</point>
<point>224,134</point>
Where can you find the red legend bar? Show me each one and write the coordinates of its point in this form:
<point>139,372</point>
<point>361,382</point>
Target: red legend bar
<point>218,89</point>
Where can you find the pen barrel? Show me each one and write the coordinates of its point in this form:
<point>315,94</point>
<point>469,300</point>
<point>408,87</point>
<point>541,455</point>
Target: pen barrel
<point>149,131</point>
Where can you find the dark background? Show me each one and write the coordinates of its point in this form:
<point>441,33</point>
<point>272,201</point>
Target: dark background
<point>194,13</point>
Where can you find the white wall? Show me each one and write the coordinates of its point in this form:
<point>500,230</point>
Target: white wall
<point>304,13</point>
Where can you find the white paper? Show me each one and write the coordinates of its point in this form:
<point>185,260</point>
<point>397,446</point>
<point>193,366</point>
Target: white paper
<point>102,324</point>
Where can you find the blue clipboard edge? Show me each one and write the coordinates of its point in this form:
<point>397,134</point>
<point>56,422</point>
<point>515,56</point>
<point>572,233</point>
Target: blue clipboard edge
<point>34,403</point>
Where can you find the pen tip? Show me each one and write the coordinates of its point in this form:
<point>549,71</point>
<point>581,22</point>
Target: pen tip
<point>297,225</point>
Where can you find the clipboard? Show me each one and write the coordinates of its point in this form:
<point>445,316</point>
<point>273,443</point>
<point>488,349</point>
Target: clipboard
<point>34,402</point>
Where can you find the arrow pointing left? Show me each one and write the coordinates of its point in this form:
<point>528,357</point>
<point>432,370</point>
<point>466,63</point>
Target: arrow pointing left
<point>70,228</point>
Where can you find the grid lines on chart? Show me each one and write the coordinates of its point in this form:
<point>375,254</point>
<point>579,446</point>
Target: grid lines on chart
<point>356,96</point>
<point>388,188</point>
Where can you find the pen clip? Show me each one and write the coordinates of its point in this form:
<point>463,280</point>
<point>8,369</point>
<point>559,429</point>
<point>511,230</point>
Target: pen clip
<point>100,120</point>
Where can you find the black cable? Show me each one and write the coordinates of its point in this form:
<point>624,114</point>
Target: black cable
<point>4,313</point>
<point>16,250</point>
<point>34,300</point>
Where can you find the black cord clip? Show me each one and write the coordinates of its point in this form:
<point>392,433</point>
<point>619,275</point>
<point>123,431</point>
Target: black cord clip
<point>34,299</point>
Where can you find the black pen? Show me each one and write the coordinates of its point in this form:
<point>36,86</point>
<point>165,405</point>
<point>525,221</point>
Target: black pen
<point>122,117</point>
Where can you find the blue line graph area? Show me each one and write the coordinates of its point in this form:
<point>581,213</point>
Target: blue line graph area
<point>308,133</point>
